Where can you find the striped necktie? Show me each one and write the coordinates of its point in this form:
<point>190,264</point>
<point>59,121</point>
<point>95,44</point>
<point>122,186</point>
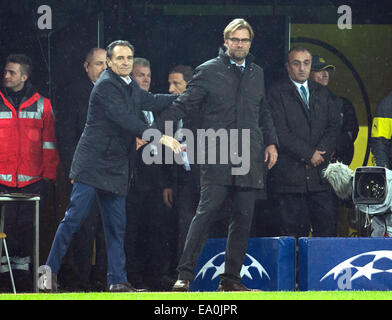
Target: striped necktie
<point>304,95</point>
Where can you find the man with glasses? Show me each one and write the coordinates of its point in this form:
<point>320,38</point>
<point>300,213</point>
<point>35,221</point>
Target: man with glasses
<point>228,93</point>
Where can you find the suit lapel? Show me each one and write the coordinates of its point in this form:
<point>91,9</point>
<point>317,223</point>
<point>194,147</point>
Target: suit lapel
<point>312,98</point>
<point>294,91</point>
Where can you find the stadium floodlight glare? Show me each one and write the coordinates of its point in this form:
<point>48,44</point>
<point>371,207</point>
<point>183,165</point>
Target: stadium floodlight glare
<point>372,189</point>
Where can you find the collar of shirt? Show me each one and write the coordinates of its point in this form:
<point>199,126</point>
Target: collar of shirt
<point>238,65</point>
<point>127,79</point>
<point>298,85</point>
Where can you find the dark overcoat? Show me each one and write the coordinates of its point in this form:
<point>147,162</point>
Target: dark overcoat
<point>301,131</point>
<point>71,115</point>
<point>227,100</point>
<point>107,145</point>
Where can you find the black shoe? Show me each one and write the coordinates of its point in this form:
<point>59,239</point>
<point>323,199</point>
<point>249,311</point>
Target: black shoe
<point>162,283</point>
<point>124,287</point>
<point>181,286</point>
<point>232,286</point>
<point>98,286</point>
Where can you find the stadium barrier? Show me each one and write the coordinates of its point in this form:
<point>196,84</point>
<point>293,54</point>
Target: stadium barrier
<point>269,265</point>
<point>345,264</point>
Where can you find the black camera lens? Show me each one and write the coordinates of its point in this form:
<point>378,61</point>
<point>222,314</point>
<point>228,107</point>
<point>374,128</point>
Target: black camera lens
<point>371,186</point>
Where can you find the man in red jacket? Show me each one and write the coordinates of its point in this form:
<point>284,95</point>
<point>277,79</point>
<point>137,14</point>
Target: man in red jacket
<point>28,158</point>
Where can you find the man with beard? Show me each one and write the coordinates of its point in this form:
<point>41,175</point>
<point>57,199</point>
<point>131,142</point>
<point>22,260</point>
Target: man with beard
<point>28,159</point>
<point>228,93</point>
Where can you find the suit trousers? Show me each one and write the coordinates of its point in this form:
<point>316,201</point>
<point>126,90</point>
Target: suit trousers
<point>186,201</point>
<point>211,199</point>
<point>300,213</point>
<point>112,209</point>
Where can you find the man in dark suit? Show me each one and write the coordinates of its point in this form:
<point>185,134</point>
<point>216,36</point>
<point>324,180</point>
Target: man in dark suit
<point>305,123</point>
<point>77,272</point>
<point>228,94</point>
<point>348,123</point>
<point>149,222</point>
<point>100,167</point>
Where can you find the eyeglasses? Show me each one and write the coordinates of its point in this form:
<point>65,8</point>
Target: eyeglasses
<point>237,41</point>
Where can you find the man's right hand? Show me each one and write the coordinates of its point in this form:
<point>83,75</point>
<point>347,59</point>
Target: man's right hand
<point>168,197</point>
<point>171,142</point>
<point>317,158</point>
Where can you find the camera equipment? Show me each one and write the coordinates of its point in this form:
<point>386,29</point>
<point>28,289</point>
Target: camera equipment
<point>372,189</point>
<point>369,185</point>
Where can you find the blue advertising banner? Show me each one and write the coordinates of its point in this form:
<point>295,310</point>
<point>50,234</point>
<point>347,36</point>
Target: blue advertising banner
<point>345,264</point>
<point>269,265</point>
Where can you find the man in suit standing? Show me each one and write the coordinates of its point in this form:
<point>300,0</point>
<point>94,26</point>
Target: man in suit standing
<point>100,167</point>
<point>348,123</point>
<point>148,230</point>
<point>77,272</point>
<point>305,122</point>
<point>228,93</point>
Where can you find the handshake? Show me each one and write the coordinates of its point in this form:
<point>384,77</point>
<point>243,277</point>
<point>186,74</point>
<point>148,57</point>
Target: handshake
<point>168,141</point>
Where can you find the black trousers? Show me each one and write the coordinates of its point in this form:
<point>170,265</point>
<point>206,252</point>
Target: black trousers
<point>147,239</point>
<point>186,200</point>
<point>299,213</point>
<point>211,200</point>
<point>19,227</point>
<point>19,218</point>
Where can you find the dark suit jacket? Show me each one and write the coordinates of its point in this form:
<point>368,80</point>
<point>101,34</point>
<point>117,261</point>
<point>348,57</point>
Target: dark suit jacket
<point>71,115</point>
<point>227,99</point>
<point>301,132</point>
<point>107,144</point>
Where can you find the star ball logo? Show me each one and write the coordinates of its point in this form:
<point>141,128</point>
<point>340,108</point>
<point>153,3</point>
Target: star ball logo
<point>216,264</point>
<point>364,265</point>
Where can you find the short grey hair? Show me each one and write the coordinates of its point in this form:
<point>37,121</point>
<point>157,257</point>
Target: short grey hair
<point>141,62</point>
<point>121,43</point>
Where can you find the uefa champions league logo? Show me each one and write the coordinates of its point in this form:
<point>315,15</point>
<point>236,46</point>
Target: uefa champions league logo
<point>214,263</point>
<point>365,264</point>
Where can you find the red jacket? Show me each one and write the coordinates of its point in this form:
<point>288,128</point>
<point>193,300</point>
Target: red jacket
<point>27,141</point>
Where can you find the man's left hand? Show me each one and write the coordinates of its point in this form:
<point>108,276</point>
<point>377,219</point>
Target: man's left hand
<point>140,143</point>
<point>271,154</point>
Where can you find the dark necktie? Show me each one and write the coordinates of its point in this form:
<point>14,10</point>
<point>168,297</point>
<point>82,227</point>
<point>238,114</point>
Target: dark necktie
<point>304,95</point>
